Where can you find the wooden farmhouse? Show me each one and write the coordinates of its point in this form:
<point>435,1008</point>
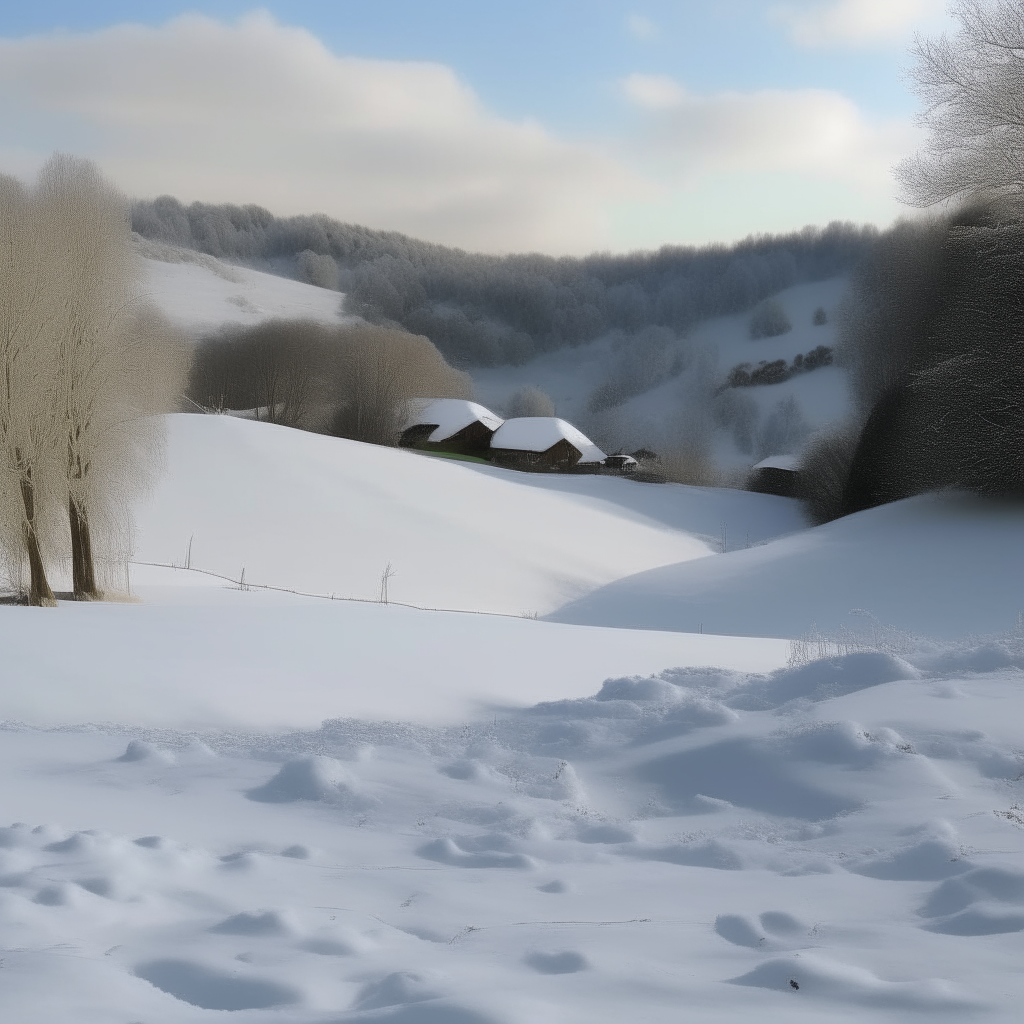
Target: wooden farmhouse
<point>778,474</point>
<point>451,425</point>
<point>544,444</point>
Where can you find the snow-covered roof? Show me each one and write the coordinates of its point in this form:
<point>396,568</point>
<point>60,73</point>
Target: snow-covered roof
<point>539,433</point>
<point>790,462</point>
<point>451,415</point>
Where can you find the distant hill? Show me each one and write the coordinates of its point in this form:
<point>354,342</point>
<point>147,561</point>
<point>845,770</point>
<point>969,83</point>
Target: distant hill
<point>483,310</point>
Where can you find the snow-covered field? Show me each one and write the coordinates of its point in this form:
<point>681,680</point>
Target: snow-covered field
<point>227,801</point>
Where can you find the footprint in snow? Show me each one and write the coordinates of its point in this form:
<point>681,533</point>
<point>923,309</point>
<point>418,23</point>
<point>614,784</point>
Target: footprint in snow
<point>209,989</point>
<point>565,962</point>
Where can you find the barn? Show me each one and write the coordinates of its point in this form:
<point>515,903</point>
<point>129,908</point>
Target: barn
<point>778,474</point>
<point>450,425</point>
<point>544,444</point>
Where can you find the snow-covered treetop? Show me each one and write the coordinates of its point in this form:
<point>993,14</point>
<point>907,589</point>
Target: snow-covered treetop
<point>539,433</point>
<point>451,415</point>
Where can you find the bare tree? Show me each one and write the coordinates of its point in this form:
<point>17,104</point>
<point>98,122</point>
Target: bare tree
<point>114,362</point>
<point>26,429</point>
<point>279,369</point>
<point>972,86</point>
<point>23,425</point>
<point>379,372</point>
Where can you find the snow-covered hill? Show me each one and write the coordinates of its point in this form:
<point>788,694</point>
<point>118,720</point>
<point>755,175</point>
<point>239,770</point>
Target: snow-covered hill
<point>326,516</point>
<point>227,803</point>
<point>940,566</point>
<point>199,293</point>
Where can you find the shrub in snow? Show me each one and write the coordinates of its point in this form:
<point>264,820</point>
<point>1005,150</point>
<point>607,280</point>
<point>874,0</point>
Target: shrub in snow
<point>353,381</point>
<point>769,320</point>
<point>824,469</point>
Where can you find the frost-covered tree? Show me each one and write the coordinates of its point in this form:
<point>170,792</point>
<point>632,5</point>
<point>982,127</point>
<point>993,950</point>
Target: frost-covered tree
<point>972,85</point>
<point>769,320</point>
<point>27,429</point>
<point>86,362</point>
<point>114,362</point>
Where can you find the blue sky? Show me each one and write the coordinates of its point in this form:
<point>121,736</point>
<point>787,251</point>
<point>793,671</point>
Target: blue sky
<point>562,126</point>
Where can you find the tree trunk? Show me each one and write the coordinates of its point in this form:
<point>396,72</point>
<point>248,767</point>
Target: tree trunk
<point>82,565</point>
<point>39,594</point>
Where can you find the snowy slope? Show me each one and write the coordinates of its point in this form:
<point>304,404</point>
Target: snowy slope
<point>570,376</point>
<point>199,293</point>
<point>325,516</point>
<point>942,566</point>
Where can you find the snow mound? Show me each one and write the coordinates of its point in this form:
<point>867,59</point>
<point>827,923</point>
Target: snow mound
<point>395,989</point>
<point>983,901</point>
<point>311,778</point>
<point>813,977</point>
<point>475,852</point>
<point>823,679</point>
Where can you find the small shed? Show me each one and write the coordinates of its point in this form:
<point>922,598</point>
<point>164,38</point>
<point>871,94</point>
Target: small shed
<point>450,425</point>
<point>620,464</point>
<point>544,444</point>
<point>778,474</point>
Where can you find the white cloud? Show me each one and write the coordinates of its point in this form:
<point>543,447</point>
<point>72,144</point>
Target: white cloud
<point>641,27</point>
<point>853,23</point>
<point>655,92</point>
<point>809,131</point>
<point>260,112</point>
<point>256,112</point>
